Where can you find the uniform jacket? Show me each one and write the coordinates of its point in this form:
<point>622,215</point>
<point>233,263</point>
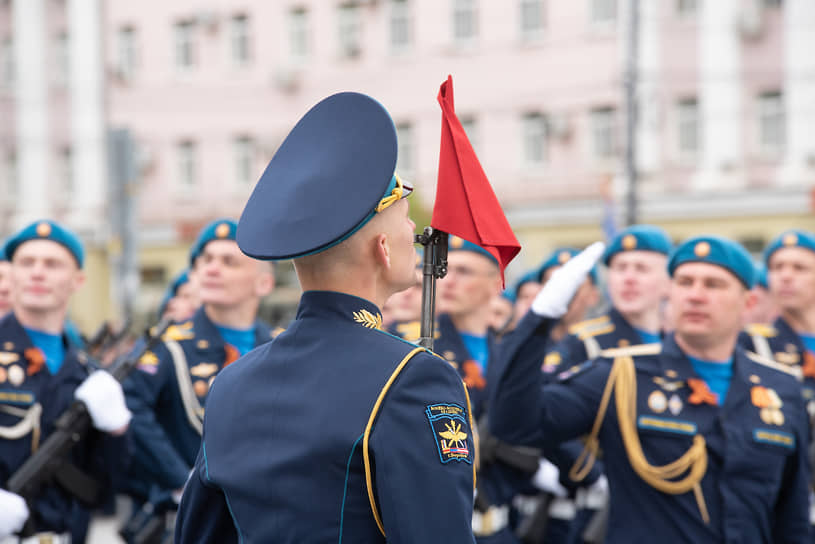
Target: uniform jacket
<point>785,347</point>
<point>755,484</point>
<point>24,382</point>
<point>281,458</point>
<point>166,441</point>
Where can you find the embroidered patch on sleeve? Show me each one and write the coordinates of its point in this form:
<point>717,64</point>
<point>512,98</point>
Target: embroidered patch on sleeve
<point>148,363</point>
<point>450,430</point>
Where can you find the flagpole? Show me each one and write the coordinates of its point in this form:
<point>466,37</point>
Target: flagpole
<point>434,267</point>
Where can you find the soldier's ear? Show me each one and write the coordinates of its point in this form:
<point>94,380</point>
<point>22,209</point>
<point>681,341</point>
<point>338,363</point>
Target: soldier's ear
<point>79,280</point>
<point>382,250</point>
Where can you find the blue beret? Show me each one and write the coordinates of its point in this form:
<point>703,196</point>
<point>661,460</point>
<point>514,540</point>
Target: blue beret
<point>639,238</point>
<point>790,238</point>
<point>455,243</point>
<point>715,250</point>
<point>220,229</point>
<point>530,277</point>
<point>559,257</point>
<point>172,289</point>
<point>331,174</point>
<point>47,230</point>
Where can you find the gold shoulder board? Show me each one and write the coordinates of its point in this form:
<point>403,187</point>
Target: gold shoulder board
<point>794,371</point>
<point>632,351</point>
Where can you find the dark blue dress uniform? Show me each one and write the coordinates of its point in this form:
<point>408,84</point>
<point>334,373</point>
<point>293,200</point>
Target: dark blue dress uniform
<point>448,343</point>
<point>283,459</point>
<point>335,431</point>
<point>167,393</point>
<point>780,342</point>
<point>755,485</point>
<point>31,399</point>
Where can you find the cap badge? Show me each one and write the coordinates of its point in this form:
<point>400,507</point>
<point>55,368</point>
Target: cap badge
<point>563,256</point>
<point>222,230</point>
<point>702,249</point>
<point>790,239</point>
<point>456,242</point>
<point>43,230</point>
<point>629,242</point>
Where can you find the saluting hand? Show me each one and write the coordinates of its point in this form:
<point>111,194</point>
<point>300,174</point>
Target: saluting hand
<point>553,300</point>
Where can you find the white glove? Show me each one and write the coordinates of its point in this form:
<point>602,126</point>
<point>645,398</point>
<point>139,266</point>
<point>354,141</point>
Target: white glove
<point>547,478</point>
<point>105,401</point>
<point>553,300</point>
<point>13,513</point>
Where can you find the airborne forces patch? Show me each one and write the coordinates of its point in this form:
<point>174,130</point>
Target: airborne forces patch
<point>450,430</point>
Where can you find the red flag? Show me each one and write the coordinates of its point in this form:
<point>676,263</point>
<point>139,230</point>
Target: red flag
<point>465,202</point>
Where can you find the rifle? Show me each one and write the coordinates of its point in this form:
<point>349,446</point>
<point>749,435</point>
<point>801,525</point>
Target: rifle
<point>50,461</point>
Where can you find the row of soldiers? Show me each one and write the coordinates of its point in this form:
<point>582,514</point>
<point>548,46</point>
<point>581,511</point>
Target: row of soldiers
<point>695,428</point>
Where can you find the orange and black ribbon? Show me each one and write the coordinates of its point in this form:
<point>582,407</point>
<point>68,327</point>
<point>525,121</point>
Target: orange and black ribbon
<point>701,393</point>
<point>35,358</point>
<point>473,376</point>
<point>232,354</point>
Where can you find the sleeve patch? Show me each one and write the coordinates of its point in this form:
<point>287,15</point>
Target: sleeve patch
<point>448,422</point>
<point>148,363</point>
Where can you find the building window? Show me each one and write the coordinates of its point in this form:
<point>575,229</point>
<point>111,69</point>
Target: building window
<point>244,153</point>
<point>239,38</point>
<point>187,164</point>
<point>771,122</point>
<point>686,7</point>
<point>773,3</point>
<point>349,30</point>
<point>65,169</point>
<point>404,157</point>
<point>534,139</point>
<point>61,59</point>
<point>687,115</point>
<point>465,21</point>
<point>7,62</point>
<point>298,33</point>
<point>532,19</point>
<point>470,126</point>
<point>126,52</point>
<point>400,27</point>
<point>184,47</point>
<point>603,12</point>
<point>604,130</point>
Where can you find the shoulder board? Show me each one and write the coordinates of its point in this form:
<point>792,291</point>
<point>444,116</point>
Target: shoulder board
<point>274,333</point>
<point>632,351</point>
<point>182,331</point>
<point>597,322</point>
<point>410,330</point>
<point>761,329</point>
<point>794,371</point>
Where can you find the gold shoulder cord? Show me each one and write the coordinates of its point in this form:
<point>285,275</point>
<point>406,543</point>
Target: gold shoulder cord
<point>623,378</point>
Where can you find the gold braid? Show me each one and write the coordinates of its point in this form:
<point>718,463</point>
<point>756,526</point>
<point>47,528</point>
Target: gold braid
<point>663,478</point>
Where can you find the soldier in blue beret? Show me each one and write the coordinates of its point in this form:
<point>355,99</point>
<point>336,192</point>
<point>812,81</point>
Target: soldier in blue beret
<point>336,431</point>
<point>169,389</point>
<point>765,310</point>
<point>790,339</point>
<point>41,374</point>
<point>180,301</point>
<point>702,441</point>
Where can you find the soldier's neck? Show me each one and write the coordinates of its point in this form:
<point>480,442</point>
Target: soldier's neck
<point>240,316</point>
<point>475,323</point>
<point>648,320</point>
<point>46,321</point>
<point>800,321</point>
<point>720,349</point>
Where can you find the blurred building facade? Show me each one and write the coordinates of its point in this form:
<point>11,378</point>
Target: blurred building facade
<point>207,89</point>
